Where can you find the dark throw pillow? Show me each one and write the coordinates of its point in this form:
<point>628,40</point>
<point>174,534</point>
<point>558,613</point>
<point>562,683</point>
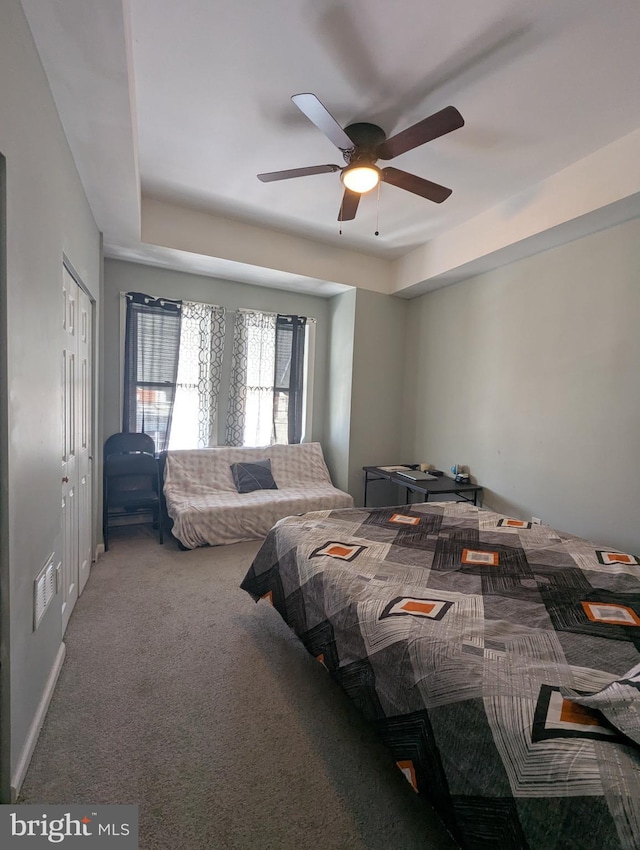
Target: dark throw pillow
<point>253,476</point>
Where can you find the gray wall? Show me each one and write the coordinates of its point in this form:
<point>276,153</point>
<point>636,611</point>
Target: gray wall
<point>124,277</point>
<point>530,375</point>
<point>377,391</point>
<point>47,215</point>
<point>365,389</point>
<point>340,369</point>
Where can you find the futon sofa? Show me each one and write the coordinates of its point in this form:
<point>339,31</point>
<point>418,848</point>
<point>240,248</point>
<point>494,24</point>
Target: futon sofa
<point>205,506</point>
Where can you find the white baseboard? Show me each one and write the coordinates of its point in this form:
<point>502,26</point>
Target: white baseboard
<point>36,726</point>
<point>99,551</point>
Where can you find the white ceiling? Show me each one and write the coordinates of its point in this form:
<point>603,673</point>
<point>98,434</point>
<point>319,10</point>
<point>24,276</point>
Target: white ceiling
<point>186,102</point>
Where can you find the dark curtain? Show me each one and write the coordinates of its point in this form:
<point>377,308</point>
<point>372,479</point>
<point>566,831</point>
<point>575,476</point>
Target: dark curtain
<point>152,344</point>
<point>289,378</point>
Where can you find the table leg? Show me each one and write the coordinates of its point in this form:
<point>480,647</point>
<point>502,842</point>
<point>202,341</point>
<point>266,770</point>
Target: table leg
<point>366,481</point>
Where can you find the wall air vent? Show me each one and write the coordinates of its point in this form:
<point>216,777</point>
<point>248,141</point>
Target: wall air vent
<point>44,589</point>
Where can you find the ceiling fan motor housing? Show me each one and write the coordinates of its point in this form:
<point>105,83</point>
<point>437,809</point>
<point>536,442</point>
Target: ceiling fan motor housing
<point>366,138</point>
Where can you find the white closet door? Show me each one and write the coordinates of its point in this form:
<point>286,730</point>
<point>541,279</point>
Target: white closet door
<point>77,394</point>
<point>83,437</point>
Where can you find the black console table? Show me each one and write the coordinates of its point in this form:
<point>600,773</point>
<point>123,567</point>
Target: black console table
<point>442,485</point>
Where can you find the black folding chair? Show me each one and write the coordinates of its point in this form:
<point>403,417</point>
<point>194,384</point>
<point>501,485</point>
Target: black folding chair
<point>131,484</point>
<point>129,442</point>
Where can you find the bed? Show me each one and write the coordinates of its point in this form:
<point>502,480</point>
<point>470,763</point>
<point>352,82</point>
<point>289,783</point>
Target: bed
<point>497,659</point>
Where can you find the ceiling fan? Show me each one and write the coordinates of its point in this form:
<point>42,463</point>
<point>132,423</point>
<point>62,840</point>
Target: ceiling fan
<point>362,145</point>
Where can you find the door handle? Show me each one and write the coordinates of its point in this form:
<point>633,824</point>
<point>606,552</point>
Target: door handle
<point>65,480</point>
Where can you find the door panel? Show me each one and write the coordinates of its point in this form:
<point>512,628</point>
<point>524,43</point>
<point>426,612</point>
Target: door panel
<point>69,555</point>
<point>77,394</point>
<point>83,433</point>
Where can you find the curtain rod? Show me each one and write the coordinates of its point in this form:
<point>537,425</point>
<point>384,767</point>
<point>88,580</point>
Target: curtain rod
<point>166,298</point>
<point>264,312</point>
<point>208,304</point>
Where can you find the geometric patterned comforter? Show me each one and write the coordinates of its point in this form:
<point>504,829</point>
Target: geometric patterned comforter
<point>497,659</point>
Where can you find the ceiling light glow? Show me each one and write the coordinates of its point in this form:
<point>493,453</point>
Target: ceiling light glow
<point>361,178</point>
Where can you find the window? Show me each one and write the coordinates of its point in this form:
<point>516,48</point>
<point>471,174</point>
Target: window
<point>289,378</point>
<point>173,366</point>
<point>151,361</point>
<point>267,379</point>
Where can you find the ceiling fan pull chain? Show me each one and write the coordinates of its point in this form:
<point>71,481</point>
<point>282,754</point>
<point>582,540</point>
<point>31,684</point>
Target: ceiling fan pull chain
<point>377,231</point>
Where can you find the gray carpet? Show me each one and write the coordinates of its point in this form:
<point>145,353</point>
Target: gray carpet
<point>182,695</point>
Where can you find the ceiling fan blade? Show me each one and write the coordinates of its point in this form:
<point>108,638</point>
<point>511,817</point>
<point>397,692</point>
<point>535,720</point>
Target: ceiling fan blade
<point>438,124</point>
<point>319,115</point>
<point>349,205</point>
<point>418,185</point>
<point>270,176</point>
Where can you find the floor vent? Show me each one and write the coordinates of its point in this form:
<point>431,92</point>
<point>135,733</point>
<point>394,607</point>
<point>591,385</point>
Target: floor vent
<point>44,589</point>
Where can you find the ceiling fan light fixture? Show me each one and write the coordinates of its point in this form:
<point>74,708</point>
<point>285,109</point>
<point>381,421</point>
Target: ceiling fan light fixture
<point>361,178</point>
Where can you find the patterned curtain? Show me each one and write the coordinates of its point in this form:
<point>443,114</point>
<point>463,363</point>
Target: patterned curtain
<point>250,410</point>
<point>152,341</point>
<point>195,419</point>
